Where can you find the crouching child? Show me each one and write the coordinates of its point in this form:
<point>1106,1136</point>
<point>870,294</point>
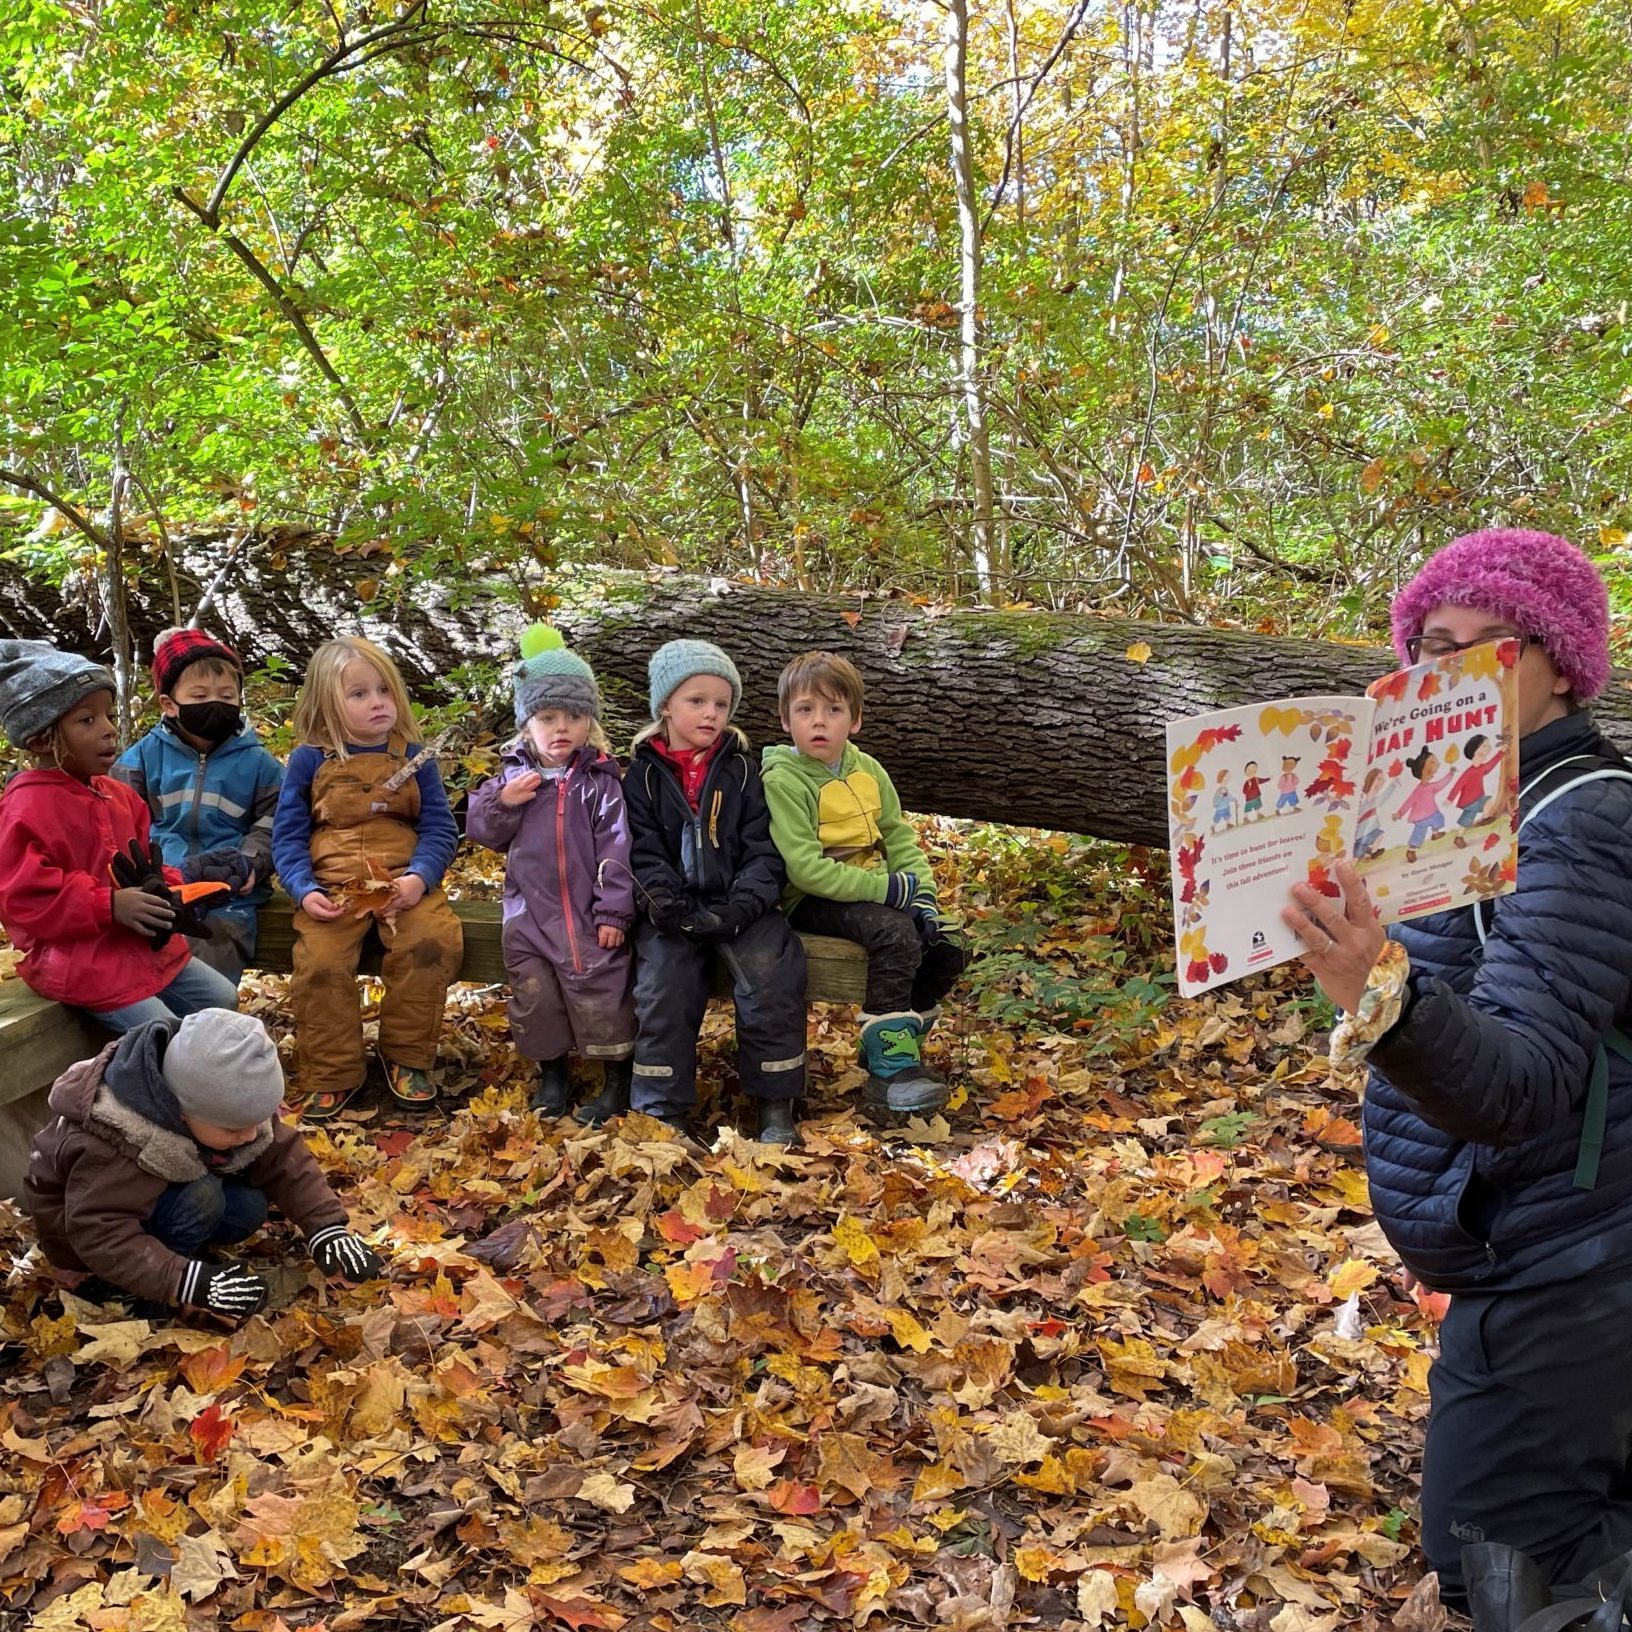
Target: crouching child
<point>168,1145</point>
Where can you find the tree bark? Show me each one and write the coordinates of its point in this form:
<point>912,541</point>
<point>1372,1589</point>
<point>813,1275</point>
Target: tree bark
<point>1035,718</point>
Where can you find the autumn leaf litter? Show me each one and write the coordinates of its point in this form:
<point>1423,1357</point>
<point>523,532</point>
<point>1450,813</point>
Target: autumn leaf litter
<point>1115,1341</point>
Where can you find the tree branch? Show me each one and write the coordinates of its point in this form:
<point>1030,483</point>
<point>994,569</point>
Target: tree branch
<point>28,484</point>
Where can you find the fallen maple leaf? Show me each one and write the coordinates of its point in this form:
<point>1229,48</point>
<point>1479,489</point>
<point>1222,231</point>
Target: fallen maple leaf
<point>210,1430</point>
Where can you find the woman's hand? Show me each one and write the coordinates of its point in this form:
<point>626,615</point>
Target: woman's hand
<point>315,904</point>
<point>609,937</point>
<point>519,790</point>
<point>1343,937</point>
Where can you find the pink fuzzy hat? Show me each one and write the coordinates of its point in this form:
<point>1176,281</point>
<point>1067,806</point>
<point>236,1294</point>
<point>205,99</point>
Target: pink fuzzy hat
<point>1541,582</point>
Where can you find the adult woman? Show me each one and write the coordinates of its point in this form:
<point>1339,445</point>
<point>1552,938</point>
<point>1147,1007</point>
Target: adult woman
<point>1488,1028</point>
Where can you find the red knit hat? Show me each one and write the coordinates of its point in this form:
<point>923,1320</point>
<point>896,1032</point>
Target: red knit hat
<point>176,648</point>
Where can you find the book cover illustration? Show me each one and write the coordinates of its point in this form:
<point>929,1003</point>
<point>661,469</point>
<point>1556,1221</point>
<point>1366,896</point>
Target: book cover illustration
<point>1416,782</point>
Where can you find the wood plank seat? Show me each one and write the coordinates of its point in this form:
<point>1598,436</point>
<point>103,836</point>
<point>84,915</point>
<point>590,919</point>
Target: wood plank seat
<point>39,1040</point>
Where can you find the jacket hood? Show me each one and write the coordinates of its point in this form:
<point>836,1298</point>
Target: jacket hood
<point>783,756</point>
<point>122,1096</point>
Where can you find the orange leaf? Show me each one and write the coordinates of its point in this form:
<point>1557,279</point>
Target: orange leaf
<point>577,1612</point>
<point>790,1496</point>
<point>852,618</point>
<point>210,1370</point>
<point>92,1513</point>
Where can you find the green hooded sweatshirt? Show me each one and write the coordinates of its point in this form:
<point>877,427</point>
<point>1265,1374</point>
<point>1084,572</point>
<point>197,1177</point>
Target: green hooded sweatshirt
<point>841,836</point>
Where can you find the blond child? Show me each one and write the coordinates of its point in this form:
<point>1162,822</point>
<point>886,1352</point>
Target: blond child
<point>350,800</point>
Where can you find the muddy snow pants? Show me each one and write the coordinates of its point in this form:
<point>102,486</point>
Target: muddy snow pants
<point>673,976</point>
<point>556,1009</point>
<point>420,959</point>
<point>1530,1436</point>
<point>903,971</point>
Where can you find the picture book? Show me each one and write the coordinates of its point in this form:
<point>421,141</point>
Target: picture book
<point>1416,782</point>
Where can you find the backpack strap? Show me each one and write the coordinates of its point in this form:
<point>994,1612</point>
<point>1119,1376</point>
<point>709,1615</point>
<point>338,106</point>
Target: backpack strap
<point>1534,797</point>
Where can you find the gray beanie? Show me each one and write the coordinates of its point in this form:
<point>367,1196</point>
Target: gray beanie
<point>39,684</point>
<point>223,1068</point>
<point>550,676</point>
<point>677,662</point>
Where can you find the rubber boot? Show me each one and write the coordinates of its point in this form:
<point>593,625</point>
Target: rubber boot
<point>898,1081</point>
<point>554,1091</point>
<point>776,1126</point>
<point>1504,1586</point>
<point>613,1099</point>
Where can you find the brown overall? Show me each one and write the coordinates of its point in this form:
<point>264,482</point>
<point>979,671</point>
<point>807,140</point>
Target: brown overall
<point>353,819</point>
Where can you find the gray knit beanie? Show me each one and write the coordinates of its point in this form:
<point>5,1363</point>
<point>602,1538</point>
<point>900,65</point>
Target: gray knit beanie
<point>39,684</point>
<point>550,676</point>
<point>671,665</point>
<point>224,1068</point>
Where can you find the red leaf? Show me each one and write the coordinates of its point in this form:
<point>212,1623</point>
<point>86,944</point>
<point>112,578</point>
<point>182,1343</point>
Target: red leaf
<point>672,1227</point>
<point>395,1143</point>
<point>92,1513</point>
<point>789,1496</point>
<point>577,1612</point>
<point>1218,963</point>
<point>210,1431</point>
<point>852,618</point>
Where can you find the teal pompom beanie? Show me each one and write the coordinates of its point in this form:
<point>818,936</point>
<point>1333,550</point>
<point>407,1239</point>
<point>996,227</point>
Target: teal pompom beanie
<point>671,665</point>
<point>551,676</point>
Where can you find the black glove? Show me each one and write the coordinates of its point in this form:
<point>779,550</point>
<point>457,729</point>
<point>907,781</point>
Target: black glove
<point>928,920</point>
<point>336,1250</point>
<point>224,1289</point>
<point>703,924</point>
<point>229,867</point>
<point>134,871</point>
<point>664,911</point>
<point>731,920</point>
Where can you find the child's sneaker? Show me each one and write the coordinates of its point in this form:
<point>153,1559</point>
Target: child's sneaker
<point>410,1087</point>
<point>898,1081</point>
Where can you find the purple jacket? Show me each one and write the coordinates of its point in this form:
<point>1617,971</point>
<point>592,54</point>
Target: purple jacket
<point>566,854</point>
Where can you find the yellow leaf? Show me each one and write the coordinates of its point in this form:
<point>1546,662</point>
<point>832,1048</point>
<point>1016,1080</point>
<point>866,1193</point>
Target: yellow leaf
<point>1034,1563</point>
<point>1371,477</point>
<point>754,1465</point>
<point>647,1573</point>
<point>907,1332</point>
<point>858,1245</point>
<point>604,1491</point>
<point>1350,1277</point>
<point>722,1578</point>
<point>1138,652</point>
<point>1612,538</point>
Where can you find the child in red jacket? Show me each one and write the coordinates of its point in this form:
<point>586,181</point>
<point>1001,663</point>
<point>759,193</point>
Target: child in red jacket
<point>110,941</point>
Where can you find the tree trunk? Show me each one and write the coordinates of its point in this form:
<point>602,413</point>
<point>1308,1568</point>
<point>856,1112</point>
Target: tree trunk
<point>971,368</point>
<point>1035,718</point>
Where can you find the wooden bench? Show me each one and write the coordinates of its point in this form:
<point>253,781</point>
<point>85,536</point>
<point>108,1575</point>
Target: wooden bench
<point>39,1040</point>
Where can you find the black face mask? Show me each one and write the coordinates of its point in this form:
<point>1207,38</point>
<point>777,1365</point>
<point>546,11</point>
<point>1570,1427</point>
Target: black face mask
<point>210,722</point>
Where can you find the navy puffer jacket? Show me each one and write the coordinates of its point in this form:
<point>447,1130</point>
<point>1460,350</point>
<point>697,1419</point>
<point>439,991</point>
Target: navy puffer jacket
<point>1474,1110</point>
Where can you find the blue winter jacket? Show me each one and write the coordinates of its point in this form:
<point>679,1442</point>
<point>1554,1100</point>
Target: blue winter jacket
<point>222,800</point>
<point>1474,1110</point>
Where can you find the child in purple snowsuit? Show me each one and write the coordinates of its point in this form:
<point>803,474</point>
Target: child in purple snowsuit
<point>555,811</point>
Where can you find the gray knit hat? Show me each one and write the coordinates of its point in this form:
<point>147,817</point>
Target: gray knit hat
<point>550,676</point>
<point>39,684</point>
<point>677,662</point>
<point>223,1068</point>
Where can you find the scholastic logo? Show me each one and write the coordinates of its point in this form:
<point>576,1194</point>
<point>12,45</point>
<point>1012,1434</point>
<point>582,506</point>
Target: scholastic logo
<point>1261,949</point>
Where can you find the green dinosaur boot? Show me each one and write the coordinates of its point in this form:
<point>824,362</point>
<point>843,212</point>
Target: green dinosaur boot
<point>898,1081</point>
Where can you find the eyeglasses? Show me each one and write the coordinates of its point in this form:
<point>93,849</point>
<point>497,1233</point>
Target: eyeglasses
<point>1421,648</point>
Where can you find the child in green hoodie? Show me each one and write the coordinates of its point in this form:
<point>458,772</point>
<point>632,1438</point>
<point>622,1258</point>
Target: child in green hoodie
<point>855,870</point>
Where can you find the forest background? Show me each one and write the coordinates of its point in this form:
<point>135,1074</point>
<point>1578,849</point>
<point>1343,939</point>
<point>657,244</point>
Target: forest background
<point>1203,311</point>
<point>1213,313</point>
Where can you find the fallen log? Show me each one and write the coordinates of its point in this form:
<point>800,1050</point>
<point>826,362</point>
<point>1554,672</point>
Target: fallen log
<point>1033,718</point>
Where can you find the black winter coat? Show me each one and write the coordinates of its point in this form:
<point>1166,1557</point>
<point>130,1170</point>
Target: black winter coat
<point>1474,1110</point>
<point>719,854</point>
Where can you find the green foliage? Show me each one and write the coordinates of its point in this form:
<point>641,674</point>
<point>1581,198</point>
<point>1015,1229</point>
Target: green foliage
<point>1275,296</point>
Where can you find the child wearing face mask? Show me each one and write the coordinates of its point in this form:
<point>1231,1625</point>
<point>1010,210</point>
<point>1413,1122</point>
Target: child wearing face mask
<point>555,812</point>
<point>358,801</point>
<point>98,925</point>
<point>210,786</point>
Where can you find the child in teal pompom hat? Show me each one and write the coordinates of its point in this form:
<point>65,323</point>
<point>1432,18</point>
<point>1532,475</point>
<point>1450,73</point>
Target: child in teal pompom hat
<point>555,812</point>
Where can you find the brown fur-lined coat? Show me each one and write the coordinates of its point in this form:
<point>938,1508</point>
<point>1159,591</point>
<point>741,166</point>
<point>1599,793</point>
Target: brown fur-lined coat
<point>116,1141</point>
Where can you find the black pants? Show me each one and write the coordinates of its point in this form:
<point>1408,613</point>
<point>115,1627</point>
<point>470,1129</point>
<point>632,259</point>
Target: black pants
<point>902,971</point>
<point>673,977</point>
<point>1530,1440</point>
